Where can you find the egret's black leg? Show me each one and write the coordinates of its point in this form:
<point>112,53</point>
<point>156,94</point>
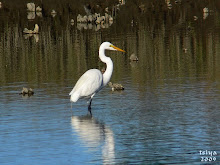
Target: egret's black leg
<point>90,102</point>
<point>89,107</point>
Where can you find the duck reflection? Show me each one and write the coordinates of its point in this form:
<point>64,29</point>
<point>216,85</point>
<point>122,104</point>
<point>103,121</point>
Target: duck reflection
<point>94,134</point>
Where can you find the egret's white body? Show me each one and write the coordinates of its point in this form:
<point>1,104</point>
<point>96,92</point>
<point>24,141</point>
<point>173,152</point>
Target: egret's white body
<point>89,83</point>
<point>92,81</point>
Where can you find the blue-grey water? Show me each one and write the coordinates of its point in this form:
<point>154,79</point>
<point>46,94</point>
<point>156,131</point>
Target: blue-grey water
<point>168,113</point>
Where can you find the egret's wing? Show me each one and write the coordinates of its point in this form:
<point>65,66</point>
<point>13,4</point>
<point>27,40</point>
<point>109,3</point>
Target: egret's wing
<point>88,83</point>
<point>79,83</point>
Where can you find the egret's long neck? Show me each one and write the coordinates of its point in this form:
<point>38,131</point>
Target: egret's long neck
<point>108,72</point>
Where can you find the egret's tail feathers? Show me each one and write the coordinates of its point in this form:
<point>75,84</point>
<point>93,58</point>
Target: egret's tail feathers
<point>71,92</point>
<point>74,97</point>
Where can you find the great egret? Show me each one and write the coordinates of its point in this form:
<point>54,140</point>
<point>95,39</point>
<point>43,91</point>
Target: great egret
<point>92,81</point>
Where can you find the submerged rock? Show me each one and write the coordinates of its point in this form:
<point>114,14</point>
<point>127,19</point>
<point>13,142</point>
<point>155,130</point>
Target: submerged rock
<point>133,57</point>
<point>116,86</point>
<point>26,91</point>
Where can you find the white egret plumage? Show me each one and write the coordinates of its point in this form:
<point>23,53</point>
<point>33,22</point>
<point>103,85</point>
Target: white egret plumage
<point>92,81</point>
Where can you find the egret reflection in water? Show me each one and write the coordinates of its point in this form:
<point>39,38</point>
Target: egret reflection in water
<point>95,135</point>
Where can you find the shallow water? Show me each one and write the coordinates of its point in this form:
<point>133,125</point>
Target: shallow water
<point>167,114</point>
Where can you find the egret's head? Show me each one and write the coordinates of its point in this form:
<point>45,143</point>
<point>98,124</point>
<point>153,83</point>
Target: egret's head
<point>109,46</point>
